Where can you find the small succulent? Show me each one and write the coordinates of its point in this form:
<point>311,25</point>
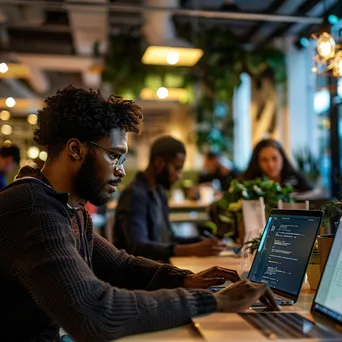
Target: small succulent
<point>253,244</point>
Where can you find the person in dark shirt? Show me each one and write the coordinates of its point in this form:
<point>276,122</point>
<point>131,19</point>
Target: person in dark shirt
<point>9,161</point>
<point>142,225</point>
<point>269,160</point>
<point>215,168</point>
<point>55,272</point>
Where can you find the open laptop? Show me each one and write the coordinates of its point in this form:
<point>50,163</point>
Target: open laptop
<point>284,252</point>
<point>325,323</point>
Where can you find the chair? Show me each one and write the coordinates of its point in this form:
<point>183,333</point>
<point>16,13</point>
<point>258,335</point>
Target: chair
<point>254,220</point>
<point>296,205</point>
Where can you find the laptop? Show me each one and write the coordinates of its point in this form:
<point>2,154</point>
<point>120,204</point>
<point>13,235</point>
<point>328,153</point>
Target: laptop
<point>325,323</point>
<point>284,252</point>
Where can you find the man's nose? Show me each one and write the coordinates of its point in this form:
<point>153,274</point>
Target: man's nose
<point>120,172</point>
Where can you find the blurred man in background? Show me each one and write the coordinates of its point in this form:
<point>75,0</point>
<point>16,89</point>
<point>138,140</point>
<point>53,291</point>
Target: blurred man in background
<point>9,161</point>
<point>142,225</point>
<point>218,171</point>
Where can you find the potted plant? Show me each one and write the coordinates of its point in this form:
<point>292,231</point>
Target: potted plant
<point>227,212</point>
<point>313,271</point>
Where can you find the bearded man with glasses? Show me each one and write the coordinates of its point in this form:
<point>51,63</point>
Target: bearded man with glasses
<point>55,272</point>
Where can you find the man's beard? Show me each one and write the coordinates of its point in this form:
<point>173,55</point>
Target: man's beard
<point>163,178</point>
<point>88,186</point>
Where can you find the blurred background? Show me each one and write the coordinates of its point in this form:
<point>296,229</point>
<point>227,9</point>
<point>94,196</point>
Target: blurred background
<point>218,74</point>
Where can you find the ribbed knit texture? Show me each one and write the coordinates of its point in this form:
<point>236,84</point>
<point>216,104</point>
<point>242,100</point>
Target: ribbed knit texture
<point>45,283</point>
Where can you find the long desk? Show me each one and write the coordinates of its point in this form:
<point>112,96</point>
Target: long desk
<point>187,333</point>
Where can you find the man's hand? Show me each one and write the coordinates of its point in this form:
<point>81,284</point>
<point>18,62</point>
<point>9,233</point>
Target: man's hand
<point>241,295</point>
<point>211,277</point>
<point>203,248</point>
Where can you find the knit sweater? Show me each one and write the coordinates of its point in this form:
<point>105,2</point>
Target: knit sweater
<point>49,278</point>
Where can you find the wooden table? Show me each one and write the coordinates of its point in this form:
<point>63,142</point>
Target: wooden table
<point>187,333</point>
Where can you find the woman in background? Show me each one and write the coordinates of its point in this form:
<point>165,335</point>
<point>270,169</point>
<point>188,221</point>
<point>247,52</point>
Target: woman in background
<point>269,160</point>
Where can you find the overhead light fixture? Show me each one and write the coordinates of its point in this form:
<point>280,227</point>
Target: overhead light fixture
<point>166,94</point>
<point>326,46</point>
<point>6,129</point>
<point>32,119</point>
<point>3,68</point>
<point>169,55</point>
<point>43,155</point>
<point>10,102</point>
<point>328,57</point>
<point>33,152</point>
<point>5,115</point>
<point>162,93</point>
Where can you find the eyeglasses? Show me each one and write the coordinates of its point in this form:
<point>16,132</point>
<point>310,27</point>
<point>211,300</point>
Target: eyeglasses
<point>116,159</point>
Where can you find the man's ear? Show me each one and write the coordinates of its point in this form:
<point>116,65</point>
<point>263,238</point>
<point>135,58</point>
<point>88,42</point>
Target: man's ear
<point>159,163</point>
<point>76,150</point>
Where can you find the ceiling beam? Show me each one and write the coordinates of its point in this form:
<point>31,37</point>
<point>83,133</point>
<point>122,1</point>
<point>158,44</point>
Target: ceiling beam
<point>304,9</point>
<point>274,6</point>
<point>62,63</point>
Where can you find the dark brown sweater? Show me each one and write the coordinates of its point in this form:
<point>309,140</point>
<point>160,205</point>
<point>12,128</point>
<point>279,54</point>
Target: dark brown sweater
<point>45,282</point>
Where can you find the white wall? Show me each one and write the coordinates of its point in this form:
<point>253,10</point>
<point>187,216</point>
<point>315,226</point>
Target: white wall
<point>300,94</point>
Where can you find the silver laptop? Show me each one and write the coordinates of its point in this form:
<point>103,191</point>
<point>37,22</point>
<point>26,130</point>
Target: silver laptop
<point>284,252</point>
<point>325,323</point>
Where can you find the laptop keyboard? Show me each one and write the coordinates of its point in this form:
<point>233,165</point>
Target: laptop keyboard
<point>275,325</point>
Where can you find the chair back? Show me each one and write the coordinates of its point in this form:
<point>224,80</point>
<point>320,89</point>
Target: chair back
<point>295,205</point>
<point>253,212</point>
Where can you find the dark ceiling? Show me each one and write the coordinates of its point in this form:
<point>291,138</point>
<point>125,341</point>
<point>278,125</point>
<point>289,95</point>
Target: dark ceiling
<point>54,35</point>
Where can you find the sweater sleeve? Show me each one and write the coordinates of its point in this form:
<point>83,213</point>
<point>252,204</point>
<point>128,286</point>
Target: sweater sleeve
<point>123,270</point>
<point>131,217</point>
<point>45,261</point>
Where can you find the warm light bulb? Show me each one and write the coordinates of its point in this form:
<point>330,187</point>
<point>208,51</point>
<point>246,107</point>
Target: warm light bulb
<point>162,93</point>
<point>338,64</point>
<point>33,152</point>
<point>326,46</point>
<point>43,156</point>
<point>172,58</point>
<point>6,129</point>
<point>5,115</point>
<point>10,102</point>
<point>32,119</point>
<point>3,68</point>
<point>7,142</point>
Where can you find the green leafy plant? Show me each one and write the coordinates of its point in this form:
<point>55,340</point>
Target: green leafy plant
<point>253,244</point>
<point>230,208</point>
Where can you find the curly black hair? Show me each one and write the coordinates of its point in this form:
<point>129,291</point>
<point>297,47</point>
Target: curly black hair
<point>85,115</point>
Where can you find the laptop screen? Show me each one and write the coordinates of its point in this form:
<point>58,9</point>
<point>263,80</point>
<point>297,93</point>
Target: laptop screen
<point>329,295</point>
<point>285,249</point>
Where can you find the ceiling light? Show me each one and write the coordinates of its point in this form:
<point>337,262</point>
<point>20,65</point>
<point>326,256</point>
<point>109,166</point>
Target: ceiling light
<point>173,94</point>
<point>3,68</point>
<point>6,129</point>
<point>172,57</point>
<point>326,45</point>
<point>5,115</point>
<point>305,42</point>
<point>10,102</point>
<point>33,152</point>
<point>7,142</point>
<point>166,55</point>
<point>43,155</point>
<point>333,19</point>
<point>32,119</point>
<point>162,93</point>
